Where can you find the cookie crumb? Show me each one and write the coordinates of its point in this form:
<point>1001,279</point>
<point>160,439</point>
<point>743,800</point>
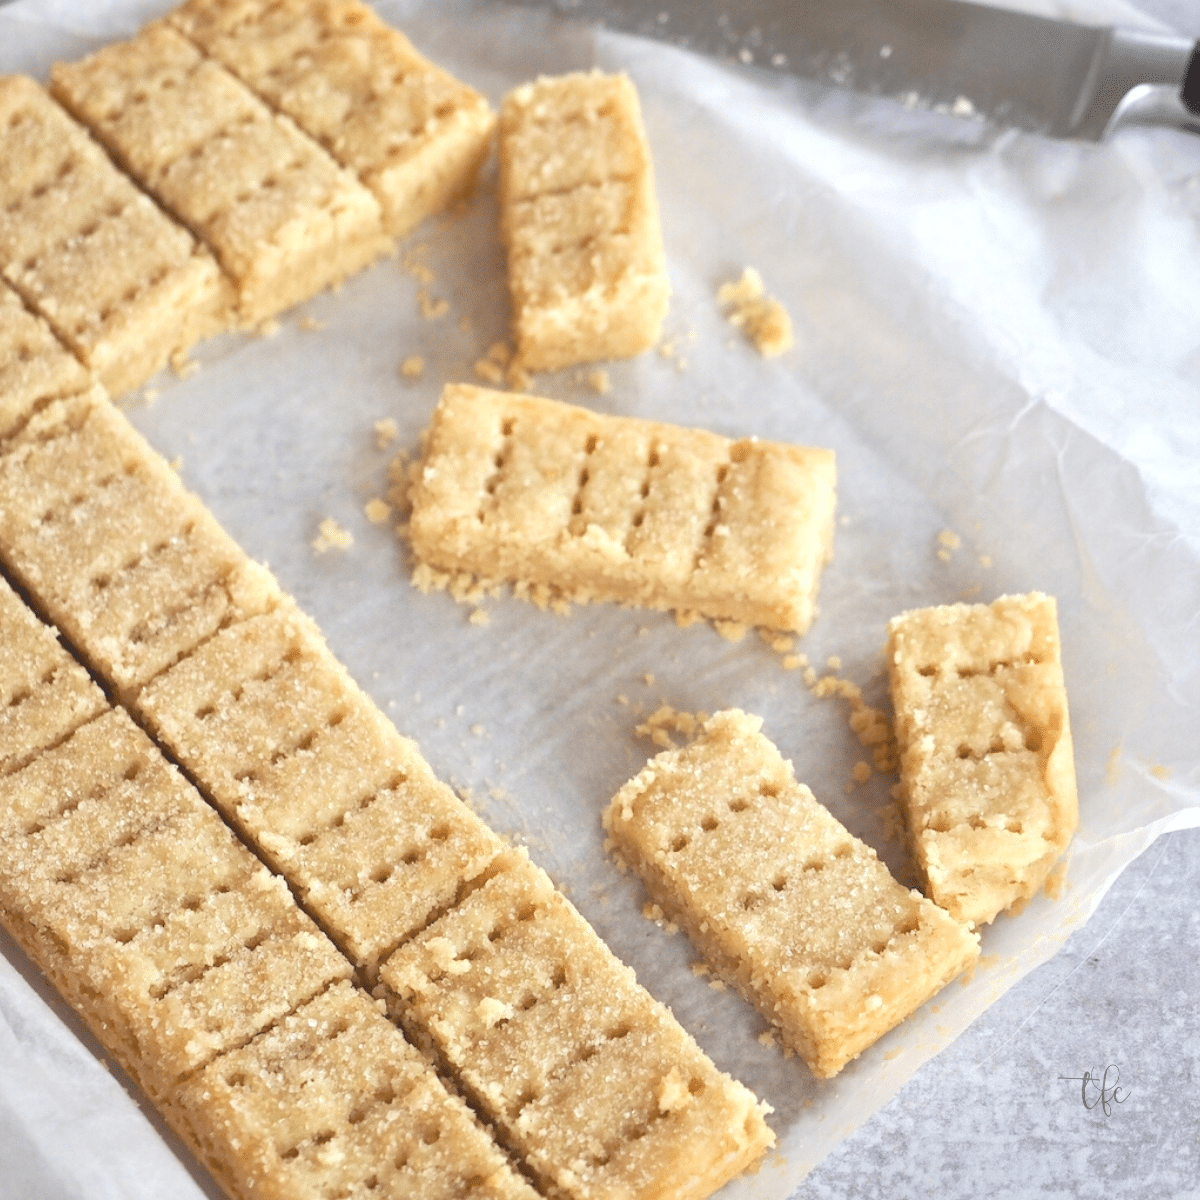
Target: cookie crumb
<point>763,320</point>
<point>310,324</point>
<point>386,432</point>
<point>479,616</point>
<point>412,367</point>
<point>332,536</point>
<point>598,382</point>
<point>377,511</point>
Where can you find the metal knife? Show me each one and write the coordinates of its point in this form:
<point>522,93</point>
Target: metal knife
<point>1047,76</point>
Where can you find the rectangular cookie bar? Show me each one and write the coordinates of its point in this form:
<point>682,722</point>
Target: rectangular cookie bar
<point>159,927</point>
<point>35,367</point>
<point>579,219</point>
<point>333,1101</point>
<point>123,285</point>
<point>987,769</point>
<point>102,532</point>
<point>283,219</point>
<point>582,1072</point>
<point>300,761</point>
<point>779,898</point>
<point>517,488</point>
<point>411,132</point>
<point>45,695</point>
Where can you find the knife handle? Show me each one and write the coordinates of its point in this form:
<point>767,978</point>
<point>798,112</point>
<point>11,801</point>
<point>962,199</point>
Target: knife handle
<point>1191,83</point>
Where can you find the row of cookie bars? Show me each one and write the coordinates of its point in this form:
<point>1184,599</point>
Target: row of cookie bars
<point>481,960</point>
<point>266,150</point>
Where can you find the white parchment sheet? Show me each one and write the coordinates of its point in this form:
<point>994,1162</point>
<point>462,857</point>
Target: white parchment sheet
<point>998,336</point>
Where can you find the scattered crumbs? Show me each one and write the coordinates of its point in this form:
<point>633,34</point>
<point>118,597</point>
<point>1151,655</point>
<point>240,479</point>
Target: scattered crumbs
<point>893,1054</point>
<point>176,464</point>
<point>518,377</point>
<point>498,793</point>
<point>664,721</point>
<point>648,679</point>
<point>781,643</point>
<point>377,511</point>
<point>868,724</point>
<point>310,324</point>
<point>598,382</point>
<point>949,539</point>
<point>431,309</point>
<point>666,349</point>
<point>412,367</point>
<point>331,536</point>
<point>810,677</point>
<point>489,372</point>
<point>862,771</point>
<point>182,365</point>
<point>477,730</point>
<point>150,395</point>
<point>386,432</point>
<point>986,962</point>
<point>269,328</point>
<point>1112,769</point>
<point>700,969</point>
<point>731,631</point>
<point>763,320</point>
<point>466,796</point>
<point>1056,882</point>
<point>833,662</point>
<point>479,616</point>
<point>808,1101</point>
<point>643,631</point>
<point>683,618</point>
<point>652,912</point>
<point>500,354</point>
<point>935,1009</point>
<point>793,662</point>
<point>465,324</point>
<point>892,817</point>
<point>1160,772</point>
<point>623,700</point>
<point>985,561</point>
<point>717,985</point>
<point>767,1038</point>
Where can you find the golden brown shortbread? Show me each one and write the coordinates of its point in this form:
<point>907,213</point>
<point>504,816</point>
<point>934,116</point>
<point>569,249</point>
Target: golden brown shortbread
<point>987,769</point>
<point>779,897</point>
<point>517,488</point>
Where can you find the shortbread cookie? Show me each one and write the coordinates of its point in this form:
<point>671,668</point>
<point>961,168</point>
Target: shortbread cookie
<point>334,1102</point>
<point>123,285</point>
<point>35,367</point>
<point>283,219</point>
<point>780,899</point>
<point>411,132</point>
<point>119,555</point>
<point>300,761</point>
<point>517,488</point>
<point>581,1071</point>
<point>987,770</point>
<point>45,695</point>
<point>163,931</point>
<point>579,218</point>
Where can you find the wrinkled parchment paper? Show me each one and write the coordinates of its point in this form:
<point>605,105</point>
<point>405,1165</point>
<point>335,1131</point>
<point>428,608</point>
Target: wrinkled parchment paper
<point>997,334</point>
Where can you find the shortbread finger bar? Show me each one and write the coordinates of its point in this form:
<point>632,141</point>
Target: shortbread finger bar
<point>45,695</point>
<point>164,932</point>
<point>780,899</point>
<point>411,132</point>
<point>579,218</point>
<point>611,508</point>
<point>35,367</point>
<point>101,531</point>
<point>987,769</point>
<point>590,1079</point>
<point>283,219</point>
<point>304,764</point>
<point>123,285</point>
<point>334,1102</point>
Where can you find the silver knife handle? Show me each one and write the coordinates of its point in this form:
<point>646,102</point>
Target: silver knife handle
<point>1140,78</point>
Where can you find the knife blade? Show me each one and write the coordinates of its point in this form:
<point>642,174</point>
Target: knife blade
<point>1053,77</point>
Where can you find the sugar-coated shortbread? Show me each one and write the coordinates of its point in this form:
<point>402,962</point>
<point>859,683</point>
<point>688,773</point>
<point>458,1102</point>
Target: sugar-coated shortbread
<point>411,132</point>
<point>588,1077</point>
<point>126,562</point>
<point>517,488</point>
<point>987,769</point>
<point>119,282</point>
<point>779,897</point>
<point>579,219</point>
<point>332,1101</point>
<point>281,217</point>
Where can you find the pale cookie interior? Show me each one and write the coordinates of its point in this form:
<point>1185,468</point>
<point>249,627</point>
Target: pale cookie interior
<point>579,218</point>
<point>986,760</point>
<point>780,899</point>
<point>518,488</point>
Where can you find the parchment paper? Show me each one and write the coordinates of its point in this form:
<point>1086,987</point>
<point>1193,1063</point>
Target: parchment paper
<point>997,334</point>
